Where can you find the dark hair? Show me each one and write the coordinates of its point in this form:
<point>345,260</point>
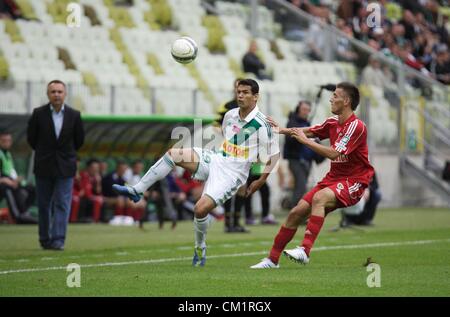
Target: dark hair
<point>136,162</point>
<point>56,81</point>
<point>121,162</point>
<point>352,92</point>
<point>237,80</point>
<point>250,82</point>
<point>92,161</point>
<point>300,103</point>
<point>4,131</point>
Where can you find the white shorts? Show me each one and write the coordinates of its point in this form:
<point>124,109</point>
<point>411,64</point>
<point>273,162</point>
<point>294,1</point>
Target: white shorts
<point>223,176</point>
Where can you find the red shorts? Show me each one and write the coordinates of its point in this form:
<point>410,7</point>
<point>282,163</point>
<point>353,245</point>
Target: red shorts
<point>347,191</point>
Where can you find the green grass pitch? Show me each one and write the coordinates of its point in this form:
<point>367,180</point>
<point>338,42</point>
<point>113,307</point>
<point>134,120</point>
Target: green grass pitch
<point>412,247</point>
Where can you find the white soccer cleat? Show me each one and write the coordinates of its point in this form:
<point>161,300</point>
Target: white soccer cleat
<point>265,264</point>
<point>298,255</point>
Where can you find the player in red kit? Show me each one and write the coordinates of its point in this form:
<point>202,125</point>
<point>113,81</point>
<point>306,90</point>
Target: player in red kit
<point>343,186</point>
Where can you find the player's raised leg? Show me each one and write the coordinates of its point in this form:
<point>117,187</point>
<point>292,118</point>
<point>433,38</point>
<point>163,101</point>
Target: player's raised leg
<point>287,231</point>
<point>201,224</point>
<point>186,158</point>
<point>323,199</point>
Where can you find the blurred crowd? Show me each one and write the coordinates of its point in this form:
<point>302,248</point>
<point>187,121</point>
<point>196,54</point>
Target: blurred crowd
<point>411,31</point>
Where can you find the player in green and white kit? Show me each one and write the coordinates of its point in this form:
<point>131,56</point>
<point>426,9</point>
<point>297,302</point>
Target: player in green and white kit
<point>248,138</point>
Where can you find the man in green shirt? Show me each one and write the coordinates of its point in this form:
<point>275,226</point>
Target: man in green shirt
<point>18,197</point>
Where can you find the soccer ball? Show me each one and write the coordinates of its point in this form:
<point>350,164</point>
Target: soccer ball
<point>184,50</point>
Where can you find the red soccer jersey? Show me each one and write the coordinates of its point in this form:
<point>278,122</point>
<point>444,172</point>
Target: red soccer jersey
<point>349,139</point>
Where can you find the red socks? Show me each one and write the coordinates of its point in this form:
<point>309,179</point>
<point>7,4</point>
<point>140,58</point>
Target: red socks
<point>285,235</point>
<point>281,240</point>
<point>312,231</point>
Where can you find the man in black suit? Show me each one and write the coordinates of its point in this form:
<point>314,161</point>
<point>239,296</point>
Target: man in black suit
<point>55,132</point>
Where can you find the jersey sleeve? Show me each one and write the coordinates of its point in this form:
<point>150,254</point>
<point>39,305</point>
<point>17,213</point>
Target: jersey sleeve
<point>353,137</point>
<point>322,131</point>
<point>268,143</point>
<point>224,122</point>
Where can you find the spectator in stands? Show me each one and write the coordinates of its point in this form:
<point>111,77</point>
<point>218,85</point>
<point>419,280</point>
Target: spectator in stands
<point>409,24</point>
<point>299,156</point>
<point>344,50</point>
<point>191,188</point>
<point>316,40</point>
<point>55,131</point>
<point>135,210</point>
<point>348,9</point>
<point>134,174</point>
<point>91,188</point>
<point>363,32</point>
<point>103,168</point>
<point>111,199</point>
<point>19,196</point>
<point>372,73</point>
<point>294,28</point>
<point>251,63</point>
<point>440,66</point>
<point>76,194</point>
<point>443,31</point>
<point>10,10</point>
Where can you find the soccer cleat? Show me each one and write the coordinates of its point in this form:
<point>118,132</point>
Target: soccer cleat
<point>265,263</point>
<point>297,255</point>
<point>199,258</point>
<point>128,191</point>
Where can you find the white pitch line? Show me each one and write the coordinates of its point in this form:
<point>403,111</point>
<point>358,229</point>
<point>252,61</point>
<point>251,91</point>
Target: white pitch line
<point>152,261</point>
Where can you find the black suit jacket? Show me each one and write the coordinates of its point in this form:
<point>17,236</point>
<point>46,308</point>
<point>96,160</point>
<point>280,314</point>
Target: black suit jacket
<point>55,157</point>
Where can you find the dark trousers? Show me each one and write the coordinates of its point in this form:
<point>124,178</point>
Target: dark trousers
<point>54,196</point>
<point>264,191</point>
<point>19,200</point>
<point>300,170</point>
<point>368,213</point>
<point>233,208</point>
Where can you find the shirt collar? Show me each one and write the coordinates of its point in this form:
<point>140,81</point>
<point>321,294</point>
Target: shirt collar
<point>351,118</point>
<point>53,109</point>
<point>250,116</point>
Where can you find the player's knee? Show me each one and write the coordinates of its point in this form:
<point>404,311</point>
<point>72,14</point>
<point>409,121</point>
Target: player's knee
<point>301,210</point>
<point>296,210</point>
<point>319,198</point>
<point>200,210</point>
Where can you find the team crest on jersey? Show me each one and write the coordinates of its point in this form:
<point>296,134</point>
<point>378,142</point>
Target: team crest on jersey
<point>236,129</point>
<point>339,187</point>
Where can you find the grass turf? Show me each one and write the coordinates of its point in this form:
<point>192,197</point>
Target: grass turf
<point>410,245</point>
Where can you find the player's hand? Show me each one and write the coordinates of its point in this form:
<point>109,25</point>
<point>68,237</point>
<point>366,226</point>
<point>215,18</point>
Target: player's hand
<point>276,128</point>
<point>254,186</point>
<point>299,135</point>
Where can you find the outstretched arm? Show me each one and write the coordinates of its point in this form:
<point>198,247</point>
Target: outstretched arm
<point>323,150</point>
<point>288,131</point>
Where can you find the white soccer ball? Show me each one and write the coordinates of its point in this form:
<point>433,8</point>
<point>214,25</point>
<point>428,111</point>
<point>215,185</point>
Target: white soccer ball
<point>184,50</point>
